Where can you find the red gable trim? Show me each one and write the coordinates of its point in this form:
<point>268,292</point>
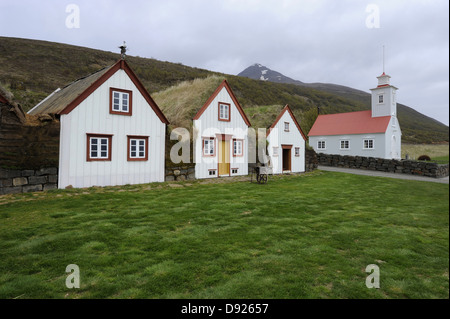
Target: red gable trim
<point>288,109</point>
<point>121,64</point>
<point>233,97</point>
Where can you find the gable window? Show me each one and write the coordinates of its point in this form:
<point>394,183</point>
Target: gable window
<point>321,145</point>
<point>137,148</point>
<point>297,151</point>
<point>224,112</point>
<point>120,101</point>
<point>238,146</point>
<point>209,146</point>
<point>286,126</point>
<point>98,147</point>
<point>345,144</point>
<point>380,99</point>
<point>368,144</point>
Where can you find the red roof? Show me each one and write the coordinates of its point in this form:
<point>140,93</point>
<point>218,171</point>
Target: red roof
<point>349,123</point>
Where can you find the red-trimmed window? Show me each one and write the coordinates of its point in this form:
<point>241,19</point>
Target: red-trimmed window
<point>137,148</point>
<point>238,147</point>
<point>120,101</point>
<point>224,111</point>
<point>98,147</point>
<point>286,126</point>
<point>209,146</point>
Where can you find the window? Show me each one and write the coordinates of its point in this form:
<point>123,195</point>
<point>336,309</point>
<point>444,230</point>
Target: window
<point>234,171</point>
<point>380,99</point>
<point>137,148</point>
<point>368,144</point>
<point>224,112</point>
<point>209,146</point>
<point>120,101</point>
<point>238,147</point>
<point>275,151</point>
<point>212,172</point>
<point>321,145</point>
<point>297,151</point>
<point>98,147</point>
<point>286,126</point>
<point>345,144</point>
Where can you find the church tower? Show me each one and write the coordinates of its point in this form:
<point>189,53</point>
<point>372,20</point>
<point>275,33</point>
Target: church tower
<point>384,102</point>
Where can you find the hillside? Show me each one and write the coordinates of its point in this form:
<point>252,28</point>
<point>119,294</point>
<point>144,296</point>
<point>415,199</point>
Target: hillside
<point>32,69</point>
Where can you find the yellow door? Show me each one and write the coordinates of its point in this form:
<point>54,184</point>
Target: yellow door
<point>224,158</point>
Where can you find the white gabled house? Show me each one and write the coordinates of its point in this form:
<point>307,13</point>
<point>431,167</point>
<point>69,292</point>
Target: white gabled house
<point>373,133</point>
<point>112,132</point>
<point>221,136</point>
<point>286,144</point>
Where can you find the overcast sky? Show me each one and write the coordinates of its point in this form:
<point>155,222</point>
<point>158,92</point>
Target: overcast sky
<point>312,41</point>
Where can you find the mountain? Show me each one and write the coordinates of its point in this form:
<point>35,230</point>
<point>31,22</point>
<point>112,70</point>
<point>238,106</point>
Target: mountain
<point>32,69</point>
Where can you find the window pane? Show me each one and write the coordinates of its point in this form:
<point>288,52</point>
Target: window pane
<point>133,154</point>
<point>103,154</point>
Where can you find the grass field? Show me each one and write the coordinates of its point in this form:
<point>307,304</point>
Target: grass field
<point>306,236</point>
<point>437,152</point>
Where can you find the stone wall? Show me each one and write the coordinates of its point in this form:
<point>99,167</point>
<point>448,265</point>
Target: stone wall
<point>24,181</point>
<point>429,169</point>
<point>311,160</point>
<point>182,172</point>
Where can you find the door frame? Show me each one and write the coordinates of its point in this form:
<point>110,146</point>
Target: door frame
<point>286,147</point>
<point>224,138</point>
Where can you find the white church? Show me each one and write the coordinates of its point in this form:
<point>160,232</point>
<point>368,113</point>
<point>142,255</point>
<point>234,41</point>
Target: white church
<point>373,133</point>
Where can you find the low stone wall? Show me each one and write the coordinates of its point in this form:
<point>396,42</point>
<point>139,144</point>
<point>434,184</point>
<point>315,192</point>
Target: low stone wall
<point>24,181</point>
<point>180,173</point>
<point>311,160</point>
<point>429,169</point>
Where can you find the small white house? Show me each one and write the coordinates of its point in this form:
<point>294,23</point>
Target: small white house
<point>286,144</point>
<point>373,133</point>
<point>221,136</point>
<point>112,132</point>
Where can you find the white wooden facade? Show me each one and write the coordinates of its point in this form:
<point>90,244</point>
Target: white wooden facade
<point>225,151</point>
<point>92,119</point>
<point>286,144</point>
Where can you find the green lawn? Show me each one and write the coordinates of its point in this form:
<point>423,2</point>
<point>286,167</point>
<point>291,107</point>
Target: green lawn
<point>307,236</point>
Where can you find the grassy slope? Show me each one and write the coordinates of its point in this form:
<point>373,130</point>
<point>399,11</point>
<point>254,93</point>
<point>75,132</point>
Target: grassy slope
<point>284,239</point>
<point>34,69</point>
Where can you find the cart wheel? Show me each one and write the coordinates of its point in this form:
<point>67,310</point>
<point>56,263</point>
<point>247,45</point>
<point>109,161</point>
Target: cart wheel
<point>258,178</point>
<point>263,178</point>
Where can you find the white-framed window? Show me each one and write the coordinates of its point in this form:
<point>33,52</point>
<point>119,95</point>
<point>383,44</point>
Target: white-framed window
<point>98,147</point>
<point>380,98</point>
<point>368,144</point>
<point>297,151</point>
<point>321,145</point>
<point>137,148</point>
<point>234,171</point>
<point>212,172</point>
<point>224,112</point>
<point>209,146</point>
<point>120,101</point>
<point>345,144</point>
<point>286,126</point>
<point>238,146</point>
<point>275,151</point>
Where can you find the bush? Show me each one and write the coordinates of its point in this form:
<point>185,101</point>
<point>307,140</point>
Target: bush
<point>424,158</point>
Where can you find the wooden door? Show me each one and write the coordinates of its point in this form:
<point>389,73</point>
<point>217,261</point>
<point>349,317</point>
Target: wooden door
<point>286,157</point>
<point>224,157</point>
